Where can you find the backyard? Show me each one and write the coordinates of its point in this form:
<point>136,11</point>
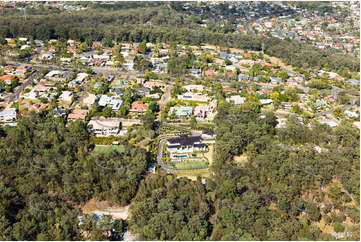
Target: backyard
<point>190,165</point>
<point>108,148</point>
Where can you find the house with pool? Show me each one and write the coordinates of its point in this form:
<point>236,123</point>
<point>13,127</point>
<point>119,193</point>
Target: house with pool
<point>185,144</point>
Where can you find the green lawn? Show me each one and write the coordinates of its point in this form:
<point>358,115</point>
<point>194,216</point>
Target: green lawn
<point>108,148</point>
<point>190,165</point>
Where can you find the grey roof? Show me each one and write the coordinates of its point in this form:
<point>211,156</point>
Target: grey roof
<point>185,140</point>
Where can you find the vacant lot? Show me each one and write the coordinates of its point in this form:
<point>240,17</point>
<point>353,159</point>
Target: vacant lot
<point>191,165</point>
<point>106,208</point>
<point>108,148</point>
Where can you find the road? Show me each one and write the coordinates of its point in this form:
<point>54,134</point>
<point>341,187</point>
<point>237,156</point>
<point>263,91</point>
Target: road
<point>332,110</point>
<point>250,30</point>
<point>159,157</point>
<point>10,98</point>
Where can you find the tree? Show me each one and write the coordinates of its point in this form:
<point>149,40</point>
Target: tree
<point>148,121</point>
<point>142,47</point>
<point>153,107</point>
<point>338,227</point>
<point>193,122</point>
<point>3,41</point>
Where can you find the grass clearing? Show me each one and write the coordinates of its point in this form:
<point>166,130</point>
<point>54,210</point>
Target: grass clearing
<point>241,159</point>
<point>190,165</point>
<point>108,148</point>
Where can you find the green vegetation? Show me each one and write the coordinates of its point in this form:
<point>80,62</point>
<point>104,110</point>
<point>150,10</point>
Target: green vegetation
<point>190,165</point>
<point>47,173</point>
<point>108,148</point>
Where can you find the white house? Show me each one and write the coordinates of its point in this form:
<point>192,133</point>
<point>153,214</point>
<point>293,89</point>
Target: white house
<point>104,127</point>
<point>8,115</point>
<point>66,96</point>
<point>115,103</point>
<point>237,100</point>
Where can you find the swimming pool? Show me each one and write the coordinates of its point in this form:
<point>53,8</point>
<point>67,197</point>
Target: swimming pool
<point>181,156</point>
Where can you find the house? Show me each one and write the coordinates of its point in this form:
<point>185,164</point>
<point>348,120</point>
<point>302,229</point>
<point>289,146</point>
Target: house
<point>89,100</point>
<point>138,107</point>
<point>153,96</point>
<point>351,114</point>
<point>205,111</point>
<point>7,78</point>
<point>189,96</point>
<point>37,107</point>
<point>22,70</point>
<point>209,73</point>
<point>46,56</point>
<point>39,90</point>
<point>195,72</point>
<point>81,77</point>
<point>181,112</point>
<point>66,96</point>
<point>207,135</point>
<point>8,115</point>
<point>96,44</point>
<point>104,127</point>
<point>194,87</point>
<point>112,101</point>
<point>57,112</point>
<point>329,122</point>
<point>143,91</point>
<point>243,77</point>
<point>266,101</point>
<point>185,143</point>
<point>229,89</point>
<point>117,92</point>
<point>9,69</point>
<point>24,47</point>
<point>353,82</point>
<point>153,84</point>
<point>78,114</point>
<point>237,100</point>
<point>281,123</point>
<point>275,80</point>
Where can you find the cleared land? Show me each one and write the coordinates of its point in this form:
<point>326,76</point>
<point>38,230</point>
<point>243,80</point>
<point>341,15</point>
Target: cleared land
<point>108,148</point>
<point>190,165</point>
<point>106,208</point>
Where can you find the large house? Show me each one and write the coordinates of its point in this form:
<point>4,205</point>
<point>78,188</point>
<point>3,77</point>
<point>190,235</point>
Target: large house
<point>138,107</point>
<point>8,115</point>
<point>237,100</point>
<point>185,143</point>
<point>78,114</point>
<point>205,111</point>
<point>112,101</point>
<point>104,127</point>
<point>189,96</point>
<point>22,70</point>
<point>181,112</point>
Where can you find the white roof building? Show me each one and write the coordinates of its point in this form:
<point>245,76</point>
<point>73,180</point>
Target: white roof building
<point>236,99</point>
<point>8,115</point>
<point>66,96</point>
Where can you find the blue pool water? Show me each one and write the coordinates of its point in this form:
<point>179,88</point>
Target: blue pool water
<point>181,156</point>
